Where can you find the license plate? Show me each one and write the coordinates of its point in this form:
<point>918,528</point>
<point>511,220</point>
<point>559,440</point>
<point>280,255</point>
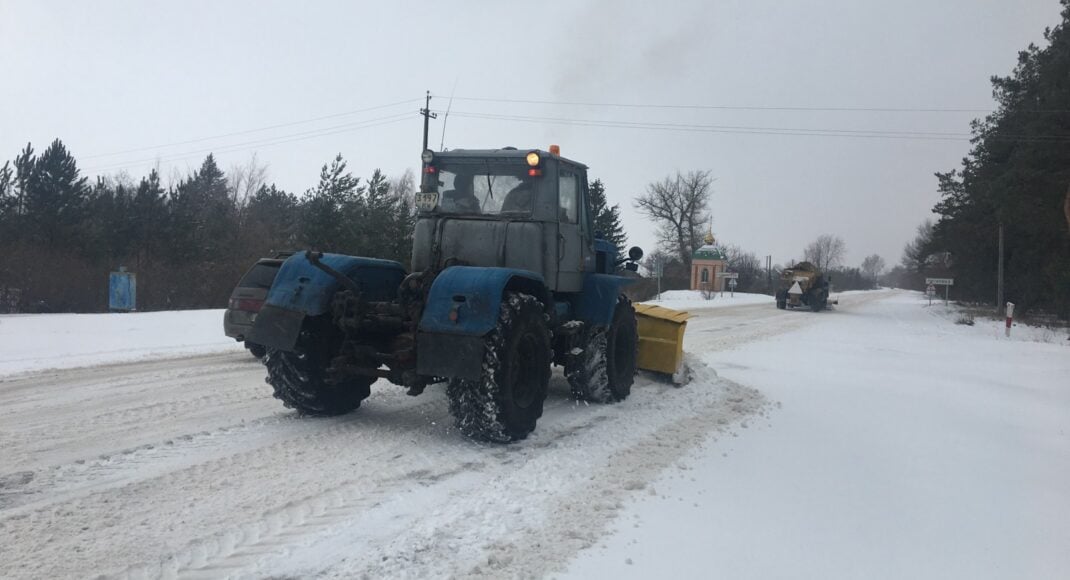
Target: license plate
<point>426,201</point>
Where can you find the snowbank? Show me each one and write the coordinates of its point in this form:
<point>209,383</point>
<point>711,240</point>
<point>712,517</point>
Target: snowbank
<point>684,299</point>
<point>33,342</point>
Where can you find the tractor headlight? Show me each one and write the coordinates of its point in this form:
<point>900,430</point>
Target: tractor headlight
<point>533,159</point>
<point>427,157</point>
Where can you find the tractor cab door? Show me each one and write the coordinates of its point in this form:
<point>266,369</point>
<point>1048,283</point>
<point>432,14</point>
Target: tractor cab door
<point>575,239</point>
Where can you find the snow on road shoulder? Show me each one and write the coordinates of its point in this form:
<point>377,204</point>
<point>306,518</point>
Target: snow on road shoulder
<point>35,342</point>
<point>905,447</point>
<point>684,299</point>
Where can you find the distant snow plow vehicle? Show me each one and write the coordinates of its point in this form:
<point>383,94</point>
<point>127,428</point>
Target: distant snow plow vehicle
<point>508,278</point>
<point>803,285</point>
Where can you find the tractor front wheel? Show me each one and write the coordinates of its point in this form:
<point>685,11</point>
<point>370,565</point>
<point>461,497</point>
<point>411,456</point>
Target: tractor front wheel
<point>817,301</point>
<point>605,371</point>
<point>504,404</point>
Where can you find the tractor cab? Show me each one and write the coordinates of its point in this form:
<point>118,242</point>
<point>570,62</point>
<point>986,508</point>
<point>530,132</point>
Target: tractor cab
<point>508,208</point>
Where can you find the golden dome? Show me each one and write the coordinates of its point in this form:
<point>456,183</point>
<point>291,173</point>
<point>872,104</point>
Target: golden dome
<point>709,238</point>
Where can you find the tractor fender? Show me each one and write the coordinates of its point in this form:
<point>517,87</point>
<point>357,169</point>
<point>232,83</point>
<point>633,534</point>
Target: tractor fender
<point>301,290</point>
<point>597,301</point>
<point>474,295</point>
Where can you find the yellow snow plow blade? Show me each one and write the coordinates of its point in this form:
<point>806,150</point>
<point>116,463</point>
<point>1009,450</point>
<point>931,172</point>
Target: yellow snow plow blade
<point>661,338</point>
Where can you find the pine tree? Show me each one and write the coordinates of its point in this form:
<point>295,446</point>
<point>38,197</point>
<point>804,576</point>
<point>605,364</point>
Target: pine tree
<point>55,195</point>
<point>377,223</point>
<point>7,199</point>
<point>330,209</point>
<point>1016,175</point>
<point>204,218</point>
<point>607,222</point>
<point>271,217</point>
<point>24,177</point>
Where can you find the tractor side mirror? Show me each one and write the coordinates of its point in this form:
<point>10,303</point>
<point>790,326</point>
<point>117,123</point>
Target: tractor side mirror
<point>635,254</point>
<point>631,266</point>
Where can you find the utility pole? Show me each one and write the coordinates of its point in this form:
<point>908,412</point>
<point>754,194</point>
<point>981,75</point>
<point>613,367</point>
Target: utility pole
<point>769,272</point>
<point>428,115</point>
<point>999,275</point>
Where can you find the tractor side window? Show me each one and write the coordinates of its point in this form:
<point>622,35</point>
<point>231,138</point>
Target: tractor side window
<point>568,193</point>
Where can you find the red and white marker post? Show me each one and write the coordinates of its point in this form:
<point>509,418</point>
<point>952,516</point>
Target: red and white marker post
<point>1010,318</point>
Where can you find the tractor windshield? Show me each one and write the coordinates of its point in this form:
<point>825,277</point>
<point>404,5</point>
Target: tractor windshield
<point>485,190</point>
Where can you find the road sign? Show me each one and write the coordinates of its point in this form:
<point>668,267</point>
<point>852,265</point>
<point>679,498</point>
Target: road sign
<point>732,282</point>
<point>728,275</point>
<point>947,283</point>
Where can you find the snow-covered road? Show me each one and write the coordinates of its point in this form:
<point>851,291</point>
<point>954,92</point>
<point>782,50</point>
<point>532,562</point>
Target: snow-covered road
<point>903,446</point>
<point>188,468</point>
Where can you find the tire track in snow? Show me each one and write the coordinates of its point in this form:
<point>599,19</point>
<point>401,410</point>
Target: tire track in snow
<point>274,495</point>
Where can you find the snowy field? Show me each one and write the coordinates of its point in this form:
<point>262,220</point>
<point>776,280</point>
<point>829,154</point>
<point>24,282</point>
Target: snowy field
<point>34,342</point>
<point>876,440</point>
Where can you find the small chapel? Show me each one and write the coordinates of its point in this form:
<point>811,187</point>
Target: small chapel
<point>706,262</point>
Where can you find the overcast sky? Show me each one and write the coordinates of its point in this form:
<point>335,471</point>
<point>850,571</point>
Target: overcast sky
<point>125,77</point>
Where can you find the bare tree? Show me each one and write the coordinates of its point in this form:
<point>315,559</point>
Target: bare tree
<point>825,252</point>
<point>679,205</point>
<point>872,266</point>
<point>746,264</point>
<point>245,180</point>
<point>404,186</point>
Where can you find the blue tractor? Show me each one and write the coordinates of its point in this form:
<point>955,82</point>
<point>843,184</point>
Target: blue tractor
<point>508,278</point>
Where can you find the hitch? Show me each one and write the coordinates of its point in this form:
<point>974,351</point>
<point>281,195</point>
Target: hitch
<point>314,259</point>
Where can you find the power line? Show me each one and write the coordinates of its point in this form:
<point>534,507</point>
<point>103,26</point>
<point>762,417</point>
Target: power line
<point>732,107</point>
<point>746,130</point>
<point>645,124</point>
<point>269,142</point>
<point>755,107</point>
<point>256,130</point>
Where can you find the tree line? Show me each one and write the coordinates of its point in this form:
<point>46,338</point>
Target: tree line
<point>188,242</point>
<point>1016,176</point>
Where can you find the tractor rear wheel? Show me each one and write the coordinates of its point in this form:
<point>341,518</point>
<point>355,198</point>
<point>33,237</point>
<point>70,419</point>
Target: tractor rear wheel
<point>504,404</point>
<point>817,302</point>
<point>605,371</point>
<point>300,377</point>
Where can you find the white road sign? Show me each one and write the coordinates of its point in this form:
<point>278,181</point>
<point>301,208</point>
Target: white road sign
<point>940,281</point>
<point>728,275</point>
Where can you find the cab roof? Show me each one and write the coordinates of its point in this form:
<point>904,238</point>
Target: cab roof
<point>503,153</point>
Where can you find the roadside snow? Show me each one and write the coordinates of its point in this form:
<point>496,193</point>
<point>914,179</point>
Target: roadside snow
<point>34,342</point>
<point>684,299</point>
<point>906,446</point>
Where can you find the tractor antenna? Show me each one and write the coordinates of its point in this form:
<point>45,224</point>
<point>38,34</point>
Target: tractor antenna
<point>446,117</point>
